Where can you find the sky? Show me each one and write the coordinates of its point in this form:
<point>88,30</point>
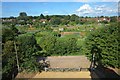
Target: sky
<point>59,0</point>
<point>60,8</point>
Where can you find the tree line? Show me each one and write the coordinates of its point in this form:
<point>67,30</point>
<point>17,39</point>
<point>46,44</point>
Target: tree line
<point>24,19</point>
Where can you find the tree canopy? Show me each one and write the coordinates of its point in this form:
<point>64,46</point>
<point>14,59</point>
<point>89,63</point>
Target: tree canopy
<point>107,40</point>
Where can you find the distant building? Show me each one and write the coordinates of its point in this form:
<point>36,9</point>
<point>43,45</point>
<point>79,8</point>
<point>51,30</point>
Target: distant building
<point>43,20</point>
<point>97,19</point>
<point>61,29</point>
<point>8,20</point>
<point>103,19</point>
<point>33,20</point>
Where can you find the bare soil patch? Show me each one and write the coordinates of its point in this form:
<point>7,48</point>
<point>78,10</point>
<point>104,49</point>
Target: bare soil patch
<point>26,75</point>
<point>69,62</point>
<point>84,74</point>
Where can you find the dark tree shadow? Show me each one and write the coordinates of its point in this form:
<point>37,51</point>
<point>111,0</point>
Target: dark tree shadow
<point>103,73</point>
<point>98,71</point>
<point>12,74</point>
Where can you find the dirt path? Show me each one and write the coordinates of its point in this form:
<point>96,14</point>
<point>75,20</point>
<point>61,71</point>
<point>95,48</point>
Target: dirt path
<point>68,61</point>
<point>84,74</point>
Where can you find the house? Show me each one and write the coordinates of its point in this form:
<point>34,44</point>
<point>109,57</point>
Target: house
<point>43,20</point>
<point>103,19</point>
<point>61,29</point>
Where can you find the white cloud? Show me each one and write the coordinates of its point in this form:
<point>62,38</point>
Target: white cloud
<point>99,9</point>
<point>46,12</point>
<point>85,9</point>
<point>105,9</point>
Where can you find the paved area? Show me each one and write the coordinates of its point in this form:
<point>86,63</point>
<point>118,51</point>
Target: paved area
<point>68,62</point>
<point>63,75</point>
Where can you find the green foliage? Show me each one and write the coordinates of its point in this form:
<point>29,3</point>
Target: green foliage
<point>22,14</point>
<point>42,16</point>
<point>27,48</point>
<point>53,44</point>
<point>55,21</point>
<point>47,43</point>
<point>113,19</point>
<point>8,59</point>
<point>8,54</point>
<point>8,33</point>
<point>74,17</point>
<point>106,39</point>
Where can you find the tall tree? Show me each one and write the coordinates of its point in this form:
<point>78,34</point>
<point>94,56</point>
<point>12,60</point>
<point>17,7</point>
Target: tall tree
<point>106,39</point>
<point>23,14</point>
<point>42,16</point>
<point>27,52</point>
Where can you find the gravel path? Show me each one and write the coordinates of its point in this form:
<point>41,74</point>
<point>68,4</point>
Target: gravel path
<point>68,62</point>
<point>63,75</point>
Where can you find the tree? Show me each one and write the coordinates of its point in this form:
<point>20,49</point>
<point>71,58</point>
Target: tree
<point>47,43</point>
<point>22,18</point>
<point>106,39</point>
<point>74,17</point>
<point>47,17</point>
<point>27,52</point>
<point>8,33</point>
<point>55,21</point>
<point>23,14</point>
<point>67,17</point>
<point>64,22</point>
<point>113,19</point>
<point>8,54</point>
<point>9,66</point>
<point>65,46</point>
<point>42,16</point>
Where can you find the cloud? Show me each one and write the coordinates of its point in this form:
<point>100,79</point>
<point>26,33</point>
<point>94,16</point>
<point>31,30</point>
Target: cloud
<point>96,10</point>
<point>105,9</point>
<point>99,9</point>
<point>46,12</point>
<point>85,9</point>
